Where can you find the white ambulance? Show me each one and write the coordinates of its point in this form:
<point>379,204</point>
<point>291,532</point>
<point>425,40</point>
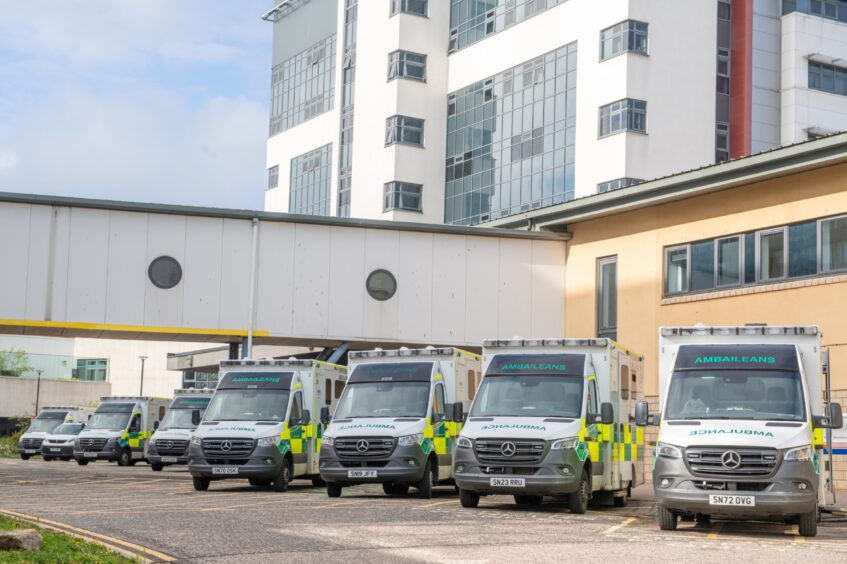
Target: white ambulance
<point>552,418</point>
<point>169,443</point>
<point>741,424</point>
<point>260,424</point>
<point>51,416</point>
<point>394,423</point>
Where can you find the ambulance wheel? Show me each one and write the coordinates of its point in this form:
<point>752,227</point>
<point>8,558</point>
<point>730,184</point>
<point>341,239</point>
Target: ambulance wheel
<point>157,467</point>
<point>24,457</point>
<point>620,501</point>
<point>701,519</point>
<point>125,457</point>
<point>280,483</point>
<point>395,489</point>
<point>809,524</point>
<point>468,499</point>
<point>529,500</point>
<point>201,484</point>
<point>427,482</point>
<point>667,519</point>
<point>82,462</point>
<point>333,490</point>
<point>578,501</point>
<point>48,459</point>
<point>318,483</point>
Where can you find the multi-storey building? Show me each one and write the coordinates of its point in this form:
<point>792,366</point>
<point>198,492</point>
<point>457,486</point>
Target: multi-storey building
<point>466,111</point>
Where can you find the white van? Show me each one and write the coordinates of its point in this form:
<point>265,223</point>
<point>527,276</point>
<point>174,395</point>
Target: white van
<point>51,416</point>
<point>169,443</point>
<point>260,424</point>
<point>393,424</point>
<point>552,418</point>
<point>741,424</point>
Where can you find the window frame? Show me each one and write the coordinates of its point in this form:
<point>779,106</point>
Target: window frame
<point>401,63</point>
<point>771,231</point>
<point>668,250</point>
<point>625,36</point>
<point>389,125</point>
<point>394,8</point>
<point>821,271</point>
<point>739,237</point>
<point>627,111</point>
<point>439,387</point>
<point>605,332</point>
<point>395,188</point>
<point>273,174</point>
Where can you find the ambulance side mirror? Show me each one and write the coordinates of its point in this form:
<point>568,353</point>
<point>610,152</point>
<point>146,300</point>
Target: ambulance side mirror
<point>458,412</point>
<point>325,415</point>
<point>642,414</point>
<point>155,425</point>
<point>305,417</point>
<point>836,418</point>
<point>195,417</point>
<point>607,413</point>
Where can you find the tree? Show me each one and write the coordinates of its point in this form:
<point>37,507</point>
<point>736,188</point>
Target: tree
<point>14,363</point>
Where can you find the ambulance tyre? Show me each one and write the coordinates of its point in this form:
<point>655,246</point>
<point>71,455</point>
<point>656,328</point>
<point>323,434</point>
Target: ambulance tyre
<point>620,501</point>
<point>318,483</point>
<point>808,526</point>
<point>702,519</point>
<point>529,500</point>
<point>333,490</point>
<point>200,484</point>
<point>157,467</point>
<point>578,501</point>
<point>24,457</point>
<point>667,519</point>
<point>428,481</point>
<point>82,462</point>
<point>280,483</point>
<point>125,458</point>
<point>468,499</point>
<point>395,489</point>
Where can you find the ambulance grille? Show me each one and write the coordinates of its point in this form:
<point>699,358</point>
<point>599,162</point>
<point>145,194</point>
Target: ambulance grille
<point>228,448</point>
<point>170,446</point>
<point>358,448</point>
<point>509,450</point>
<point>31,443</point>
<point>741,461</point>
<point>92,445</point>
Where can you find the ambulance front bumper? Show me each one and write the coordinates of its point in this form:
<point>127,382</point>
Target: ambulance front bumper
<point>404,466</point>
<point>264,463</point>
<point>57,451</point>
<point>792,490</point>
<point>110,452</point>
<point>558,473</point>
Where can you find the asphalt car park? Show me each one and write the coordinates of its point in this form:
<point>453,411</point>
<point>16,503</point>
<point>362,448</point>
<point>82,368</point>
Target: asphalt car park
<point>160,517</point>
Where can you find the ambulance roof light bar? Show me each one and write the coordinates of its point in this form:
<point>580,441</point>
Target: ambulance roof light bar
<point>269,362</point>
<point>750,329</point>
<point>402,351</point>
<point>518,342</point>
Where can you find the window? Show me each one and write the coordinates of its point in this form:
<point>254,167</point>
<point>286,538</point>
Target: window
<point>474,20</point>
<point>438,404</point>
<point>830,9</point>
<point>200,380</point>
<point>416,7</point>
<point>405,64</point>
<point>296,410</point>
<point>310,179</point>
<point>91,369</point>
<point>404,130</point>
<point>402,196</point>
<point>828,78</point>
<point>511,140</point>
<point>833,244</point>
<point>339,388</point>
<point>803,251</point>
<point>625,382</point>
<point>135,424</point>
<point>723,81</point>
<point>772,252</point>
<point>303,86</point>
<point>348,88</point>
<point>607,297</point>
<point>592,401</point>
<point>676,271</point>
<point>721,142</point>
<point>729,261</point>
<point>623,115</point>
<point>627,36</point>
<point>617,184</point>
<point>702,257</point>
<point>273,177</point>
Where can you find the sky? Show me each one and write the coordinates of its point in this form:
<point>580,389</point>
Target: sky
<point>150,101</point>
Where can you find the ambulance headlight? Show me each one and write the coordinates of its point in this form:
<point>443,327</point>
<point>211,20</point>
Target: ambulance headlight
<point>464,442</point>
<point>564,444</point>
<point>269,441</point>
<point>799,454</point>
<point>326,440</point>
<point>153,442</point>
<point>668,451</point>
<point>409,440</point>
<point>195,440</point>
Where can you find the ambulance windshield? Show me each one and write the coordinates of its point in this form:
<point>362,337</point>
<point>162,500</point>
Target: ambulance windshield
<point>528,396</point>
<point>248,405</point>
<point>383,399</point>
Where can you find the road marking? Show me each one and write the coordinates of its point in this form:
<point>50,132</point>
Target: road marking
<point>716,529</point>
<point>626,523</point>
<point>341,503</point>
<point>795,530</point>
<point>112,543</point>
<point>437,503</point>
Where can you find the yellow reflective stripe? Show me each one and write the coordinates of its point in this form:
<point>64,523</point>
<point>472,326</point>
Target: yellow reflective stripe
<point>296,446</point>
<point>583,432</point>
<point>308,431</point>
<point>286,432</point>
<point>606,433</point>
<point>438,377</point>
<point>634,452</point>
<point>440,444</point>
<point>639,436</point>
<point>594,451</point>
<point>817,438</point>
<point>627,434</point>
<point>428,432</point>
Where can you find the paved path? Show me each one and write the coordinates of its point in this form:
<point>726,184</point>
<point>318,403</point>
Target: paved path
<point>235,523</point>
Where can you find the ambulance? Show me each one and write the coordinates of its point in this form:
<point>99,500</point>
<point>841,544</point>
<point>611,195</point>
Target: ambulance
<point>394,423</point>
<point>552,418</point>
<point>169,443</point>
<point>47,421</point>
<point>741,419</point>
<point>260,423</point>
<point>119,430</point>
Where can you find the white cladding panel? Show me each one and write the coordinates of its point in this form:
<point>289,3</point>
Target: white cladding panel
<point>452,288</point>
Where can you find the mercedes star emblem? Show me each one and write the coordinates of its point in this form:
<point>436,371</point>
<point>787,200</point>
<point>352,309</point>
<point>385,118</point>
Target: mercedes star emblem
<point>226,446</point>
<point>169,444</point>
<point>362,445</point>
<point>731,460</point>
<point>508,448</point>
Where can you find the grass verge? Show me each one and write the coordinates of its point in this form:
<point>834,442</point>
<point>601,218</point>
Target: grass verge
<point>58,548</point>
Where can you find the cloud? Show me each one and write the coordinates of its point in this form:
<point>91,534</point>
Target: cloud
<point>156,101</point>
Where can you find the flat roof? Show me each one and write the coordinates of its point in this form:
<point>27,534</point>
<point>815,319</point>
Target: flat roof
<point>781,161</point>
<point>223,213</point>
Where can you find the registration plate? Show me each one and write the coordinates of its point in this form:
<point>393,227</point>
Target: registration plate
<point>55,450</point>
<point>30,451</point>
<point>169,459</point>
<point>508,482</point>
<point>361,473</point>
<point>739,500</point>
<point>90,455</point>
<point>225,470</point>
